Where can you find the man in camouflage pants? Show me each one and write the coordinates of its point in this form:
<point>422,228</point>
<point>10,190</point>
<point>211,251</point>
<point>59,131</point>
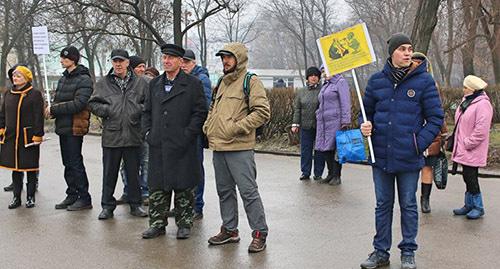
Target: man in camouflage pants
<point>174,112</point>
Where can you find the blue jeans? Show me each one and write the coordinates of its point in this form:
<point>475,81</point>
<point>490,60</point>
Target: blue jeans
<point>307,138</point>
<point>384,193</point>
<point>199,190</point>
<point>143,172</point>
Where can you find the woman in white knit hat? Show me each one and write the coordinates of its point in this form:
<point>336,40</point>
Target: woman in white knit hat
<point>471,139</point>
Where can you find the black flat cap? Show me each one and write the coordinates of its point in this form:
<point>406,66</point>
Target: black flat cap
<point>172,49</point>
<point>119,54</point>
<point>189,55</point>
<point>224,52</point>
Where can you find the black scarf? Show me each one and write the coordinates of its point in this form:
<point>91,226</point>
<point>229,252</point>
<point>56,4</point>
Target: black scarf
<point>468,100</point>
<point>398,73</point>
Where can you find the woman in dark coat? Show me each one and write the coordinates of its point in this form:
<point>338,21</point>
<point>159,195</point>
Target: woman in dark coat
<point>21,130</point>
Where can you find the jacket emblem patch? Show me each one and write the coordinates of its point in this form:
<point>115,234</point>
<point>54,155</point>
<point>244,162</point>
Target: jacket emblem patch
<point>411,93</point>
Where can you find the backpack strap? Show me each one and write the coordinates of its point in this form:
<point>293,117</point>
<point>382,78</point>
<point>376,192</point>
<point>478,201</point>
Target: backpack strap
<point>214,91</point>
<point>246,87</point>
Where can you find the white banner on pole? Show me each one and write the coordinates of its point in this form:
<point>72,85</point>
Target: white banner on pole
<point>40,36</point>
<point>40,40</point>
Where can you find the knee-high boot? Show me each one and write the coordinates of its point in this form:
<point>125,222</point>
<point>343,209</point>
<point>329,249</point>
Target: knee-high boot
<point>425,205</point>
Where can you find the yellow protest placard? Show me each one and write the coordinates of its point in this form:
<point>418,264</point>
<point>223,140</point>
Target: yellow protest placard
<point>346,50</point>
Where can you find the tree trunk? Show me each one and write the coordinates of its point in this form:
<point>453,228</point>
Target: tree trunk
<point>471,9</point>
<point>439,61</point>
<point>495,53</point>
<point>177,10</point>
<point>424,24</point>
<point>449,65</point>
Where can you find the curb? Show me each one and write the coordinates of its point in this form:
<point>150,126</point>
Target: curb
<point>293,154</point>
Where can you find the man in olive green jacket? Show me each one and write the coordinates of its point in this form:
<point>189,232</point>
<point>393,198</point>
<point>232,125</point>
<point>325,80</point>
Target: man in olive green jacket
<point>230,128</point>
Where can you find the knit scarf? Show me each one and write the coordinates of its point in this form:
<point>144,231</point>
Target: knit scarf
<point>398,73</point>
<point>468,100</point>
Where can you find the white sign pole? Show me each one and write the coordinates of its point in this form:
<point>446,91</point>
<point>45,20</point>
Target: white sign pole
<point>41,47</point>
<point>363,113</point>
<point>47,91</point>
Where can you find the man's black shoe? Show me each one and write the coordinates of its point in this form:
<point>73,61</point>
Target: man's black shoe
<point>153,232</point>
<point>105,214</point>
<point>69,200</point>
<point>317,178</point>
<point>304,177</point>
<point>408,262</point>
<point>79,205</point>
<point>183,233</point>
<point>137,211</point>
<point>122,200</point>
<point>375,261</point>
<point>15,203</point>
<point>9,188</point>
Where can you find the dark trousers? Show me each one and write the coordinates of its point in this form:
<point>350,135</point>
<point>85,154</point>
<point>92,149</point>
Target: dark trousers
<point>334,167</point>
<point>307,138</point>
<point>200,189</point>
<point>470,175</point>
<point>17,181</point>
<point>74,169</point>
<point>111,158</point>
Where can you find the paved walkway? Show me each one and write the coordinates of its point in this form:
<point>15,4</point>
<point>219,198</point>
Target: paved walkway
<point>311,225</point>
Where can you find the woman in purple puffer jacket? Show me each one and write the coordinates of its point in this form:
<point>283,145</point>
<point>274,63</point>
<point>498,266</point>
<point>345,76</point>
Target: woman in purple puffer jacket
<point>333,114</point>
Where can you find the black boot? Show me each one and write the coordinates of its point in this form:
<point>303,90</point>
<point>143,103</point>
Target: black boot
<point>15,203</point>
<point>30,202</point>
<point>9,188</point>
<point>30,190</point>
<point>425,198</point>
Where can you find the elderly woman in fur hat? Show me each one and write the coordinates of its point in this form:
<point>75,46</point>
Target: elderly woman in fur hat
<point>21,132</point>
<point>471,140</point>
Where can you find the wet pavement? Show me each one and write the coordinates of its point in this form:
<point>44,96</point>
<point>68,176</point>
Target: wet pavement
<point>311,225</point>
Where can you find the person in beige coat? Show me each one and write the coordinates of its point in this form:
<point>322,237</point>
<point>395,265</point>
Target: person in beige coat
<point>230,129</point>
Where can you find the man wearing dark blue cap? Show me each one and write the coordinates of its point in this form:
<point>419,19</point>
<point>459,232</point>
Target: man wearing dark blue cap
<point>173,116</point>
<point>118,99</point>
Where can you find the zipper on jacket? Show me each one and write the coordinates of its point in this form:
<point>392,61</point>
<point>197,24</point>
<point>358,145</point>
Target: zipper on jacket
<point>415,143</point>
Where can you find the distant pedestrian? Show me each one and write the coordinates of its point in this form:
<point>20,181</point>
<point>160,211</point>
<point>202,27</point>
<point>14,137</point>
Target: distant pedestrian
<point>21,133</point>
<point>305,105</point>
<point>431,153</point>
<point>333,114</point>
<point>470,146</point>
<point>138,66</point>
<point>189,66</point>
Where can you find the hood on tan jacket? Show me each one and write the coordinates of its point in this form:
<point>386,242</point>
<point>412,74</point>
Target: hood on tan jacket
<point>240,52</point>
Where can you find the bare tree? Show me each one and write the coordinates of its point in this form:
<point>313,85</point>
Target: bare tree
<point>424,24</point>
<point>490,22</point>
<point>14,26</point>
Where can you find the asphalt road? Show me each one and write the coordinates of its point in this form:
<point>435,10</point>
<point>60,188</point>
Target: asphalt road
<point>311,225</point>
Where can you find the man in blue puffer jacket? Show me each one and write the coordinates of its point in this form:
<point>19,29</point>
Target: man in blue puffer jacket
<point>404,116</point>
<point>189,66</point>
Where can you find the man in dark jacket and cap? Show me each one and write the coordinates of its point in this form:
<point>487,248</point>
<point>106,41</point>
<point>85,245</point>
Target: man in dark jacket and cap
<point>174,112</point>
<point>189,66</point>
<point>70,109</point>
<point>404,116</point>
<point>118,99</point>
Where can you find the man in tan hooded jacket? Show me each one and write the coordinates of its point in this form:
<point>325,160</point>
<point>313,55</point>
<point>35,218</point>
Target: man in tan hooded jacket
<point>230,128</point>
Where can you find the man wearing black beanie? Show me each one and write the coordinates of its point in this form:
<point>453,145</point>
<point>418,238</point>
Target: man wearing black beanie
<point>404,116</point>
<point>70,109</point>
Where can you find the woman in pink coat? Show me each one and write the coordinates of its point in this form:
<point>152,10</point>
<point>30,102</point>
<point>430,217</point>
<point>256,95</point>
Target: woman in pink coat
<point>470,148</point>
